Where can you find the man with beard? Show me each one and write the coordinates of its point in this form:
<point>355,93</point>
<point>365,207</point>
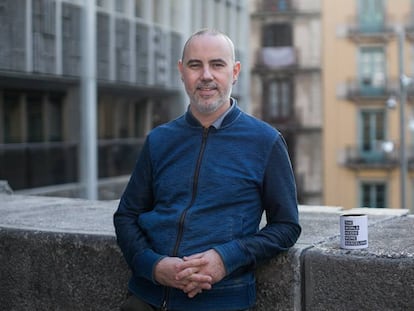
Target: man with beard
<point>188,221</point>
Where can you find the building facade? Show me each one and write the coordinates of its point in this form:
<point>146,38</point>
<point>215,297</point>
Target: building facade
<point>361,74</point>
<point>286,83</point>
<point>138,44</point>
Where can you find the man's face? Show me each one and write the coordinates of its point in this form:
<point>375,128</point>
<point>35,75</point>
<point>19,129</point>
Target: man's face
<point>208,72</point>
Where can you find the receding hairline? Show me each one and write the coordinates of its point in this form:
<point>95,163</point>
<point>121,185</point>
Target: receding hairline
<point>210,32</point>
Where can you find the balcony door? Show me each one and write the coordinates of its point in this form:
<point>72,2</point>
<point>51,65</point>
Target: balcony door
<point>372,134</point>
<point>371,15</point>
<point>372,70</point>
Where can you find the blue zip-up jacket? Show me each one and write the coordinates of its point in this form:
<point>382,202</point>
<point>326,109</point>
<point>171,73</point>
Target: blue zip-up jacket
<point>196,188</point>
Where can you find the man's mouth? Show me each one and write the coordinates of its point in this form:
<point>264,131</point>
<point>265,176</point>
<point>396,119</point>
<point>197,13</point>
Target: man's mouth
<point>206,90</point>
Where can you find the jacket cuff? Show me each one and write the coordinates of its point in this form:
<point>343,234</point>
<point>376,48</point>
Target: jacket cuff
<point>232,255</point>
<point>144,264</point>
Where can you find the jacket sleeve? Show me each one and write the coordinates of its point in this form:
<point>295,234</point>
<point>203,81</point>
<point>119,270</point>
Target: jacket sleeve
<point>137,199</point>
<point>279,200</point>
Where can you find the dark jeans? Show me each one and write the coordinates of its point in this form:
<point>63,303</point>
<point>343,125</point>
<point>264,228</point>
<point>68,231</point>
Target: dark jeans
<point>133,303</point>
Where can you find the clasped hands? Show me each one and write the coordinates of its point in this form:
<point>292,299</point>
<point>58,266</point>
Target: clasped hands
<point>192,274</point>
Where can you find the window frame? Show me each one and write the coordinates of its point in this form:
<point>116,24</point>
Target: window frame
<point>373,199</point>
<point>284,107</point>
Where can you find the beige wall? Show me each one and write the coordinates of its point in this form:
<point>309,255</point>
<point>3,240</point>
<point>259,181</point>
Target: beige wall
<point>340,58</point>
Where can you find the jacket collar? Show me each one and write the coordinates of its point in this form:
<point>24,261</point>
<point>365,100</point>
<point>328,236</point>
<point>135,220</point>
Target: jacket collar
<point>227,117</point>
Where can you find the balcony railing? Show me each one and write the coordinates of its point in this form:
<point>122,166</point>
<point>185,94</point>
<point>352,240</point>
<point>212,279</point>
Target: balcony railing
<point>276,6</point>
<point>277,57</point>
<point>370,88</point>
<point>378,157</point>
<point>290,8</point>
<point>381,31</point>
<point>284,58</point>
<point>409,25</point>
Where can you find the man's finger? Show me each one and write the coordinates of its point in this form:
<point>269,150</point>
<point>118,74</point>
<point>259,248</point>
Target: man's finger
<point>191,263</point>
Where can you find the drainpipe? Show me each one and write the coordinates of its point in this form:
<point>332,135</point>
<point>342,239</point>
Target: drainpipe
<point>88,113</point>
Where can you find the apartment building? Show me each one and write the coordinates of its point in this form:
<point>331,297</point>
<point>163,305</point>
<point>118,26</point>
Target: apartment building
<point>138,44</point>
<point>364,129</point>
<point>286,83</point>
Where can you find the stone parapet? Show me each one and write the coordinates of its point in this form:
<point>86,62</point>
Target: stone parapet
<point>61,254</point>
<point>380,277</point>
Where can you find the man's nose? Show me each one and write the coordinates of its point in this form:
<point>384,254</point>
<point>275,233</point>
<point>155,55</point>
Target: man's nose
<point>207,73</point>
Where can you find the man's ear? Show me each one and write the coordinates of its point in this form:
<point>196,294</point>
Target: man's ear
<point>236,71</point>
<point>180,68</point>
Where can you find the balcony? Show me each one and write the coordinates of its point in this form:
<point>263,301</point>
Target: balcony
<point>409,25</point>
<point>277,57</point>
<point>410,93</point>
<point>288,8</point>
<point>275,6</point>
<point>409,30</point>
<point>283,59</point>
<point>284,124</point>
<point>376,87</point>
<point>370,32</point>
<point>376,158</point>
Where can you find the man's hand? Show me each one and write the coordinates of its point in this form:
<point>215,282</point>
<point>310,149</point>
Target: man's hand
<point>208,263</point>
<point>174,272</point>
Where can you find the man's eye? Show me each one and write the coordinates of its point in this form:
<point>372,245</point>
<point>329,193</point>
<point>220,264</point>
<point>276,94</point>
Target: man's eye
<point>218,65</point>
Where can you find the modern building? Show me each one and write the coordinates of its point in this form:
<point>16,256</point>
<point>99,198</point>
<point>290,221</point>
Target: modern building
<point>286,88</point>
<point>138,44</point>
<point>363,137</point>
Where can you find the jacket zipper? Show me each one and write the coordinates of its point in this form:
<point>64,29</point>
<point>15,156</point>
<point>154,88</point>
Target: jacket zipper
<point>184,213</point>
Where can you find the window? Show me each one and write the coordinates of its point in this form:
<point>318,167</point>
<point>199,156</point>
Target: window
<point>277,35</point>
<point>120,6</point>
<point>140,128</point>
<point>105,120</point>
<point>372,134</point>
<point>55,118</point>
<point>102,3</point>
<point>372,70</point>
<point>175,14</point>
<point>373,194</point>
<point>124,120</point>
<point>278,100</point>
<point>158,8</point>
<point>139,8</point>
<point>34,118</point>
<point>12,119</point>
<point>371,15</point>
<point>30,120</point>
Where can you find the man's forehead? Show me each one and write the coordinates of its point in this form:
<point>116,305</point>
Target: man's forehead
<point>215,46</point>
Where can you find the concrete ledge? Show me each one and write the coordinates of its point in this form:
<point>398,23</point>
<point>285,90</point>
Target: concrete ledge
<point>60,271</point>
<point>380,277</point>
<point>60,254</point>
<point>279,282</point>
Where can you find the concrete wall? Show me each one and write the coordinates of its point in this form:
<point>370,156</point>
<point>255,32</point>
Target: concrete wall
<point>61,254</point>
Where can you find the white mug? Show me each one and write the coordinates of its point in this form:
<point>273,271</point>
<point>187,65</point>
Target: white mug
<point>354,231</point>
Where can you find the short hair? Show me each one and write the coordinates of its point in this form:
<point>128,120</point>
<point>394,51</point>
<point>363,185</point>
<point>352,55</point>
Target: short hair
<point>211,32</point>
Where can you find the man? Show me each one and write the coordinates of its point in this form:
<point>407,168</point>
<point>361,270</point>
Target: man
<point>188,221</point>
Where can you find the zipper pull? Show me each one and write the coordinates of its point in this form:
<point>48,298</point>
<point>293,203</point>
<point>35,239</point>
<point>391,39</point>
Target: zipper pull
<point>164,306</point>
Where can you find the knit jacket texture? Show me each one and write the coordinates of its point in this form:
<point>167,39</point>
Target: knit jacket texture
<point>195,188</point>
